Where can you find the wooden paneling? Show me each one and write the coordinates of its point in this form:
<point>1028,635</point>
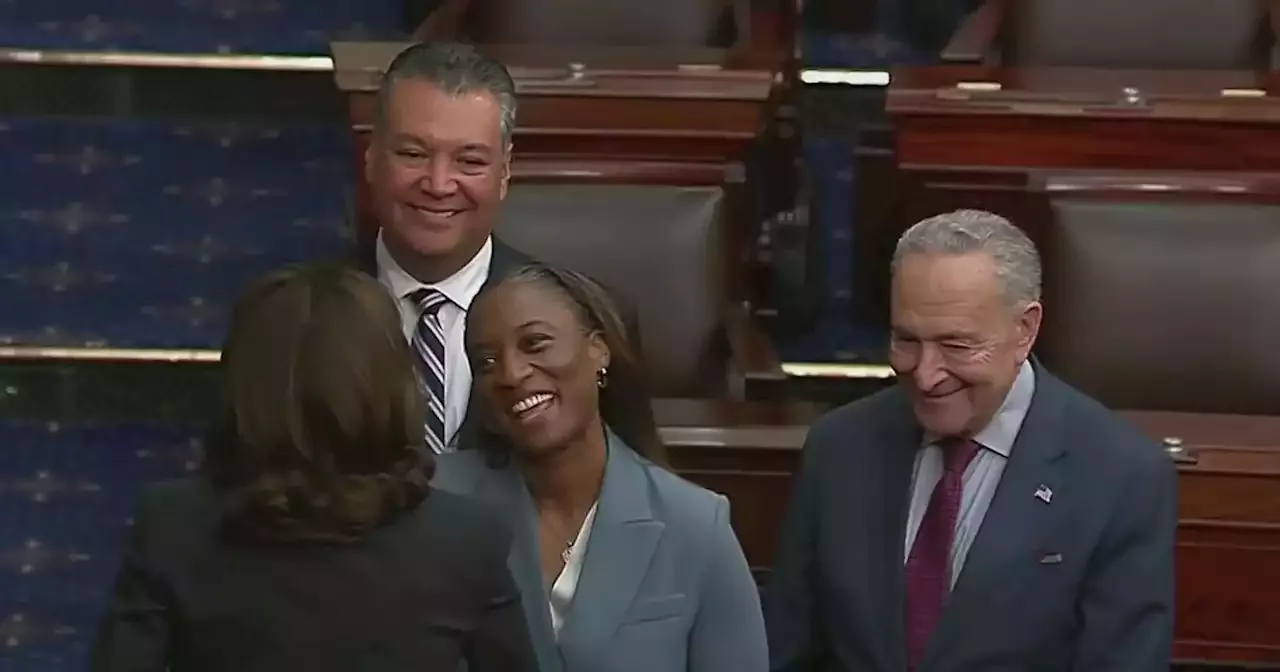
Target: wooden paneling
<point>1226,599</point>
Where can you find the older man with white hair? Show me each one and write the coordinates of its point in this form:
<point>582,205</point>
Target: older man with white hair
<point>981,515</point>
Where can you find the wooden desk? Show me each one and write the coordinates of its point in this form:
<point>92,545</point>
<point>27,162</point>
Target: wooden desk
<point>1228,534</point>
<point>747,451</point>
<point>1229,509</point>
<point>971,137</point>
<point>632,115</point>
<point>1071,118</point>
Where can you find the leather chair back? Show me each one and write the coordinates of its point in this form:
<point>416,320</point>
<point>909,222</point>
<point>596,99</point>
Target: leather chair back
<point>659,248</point>
<point>1139,34</point>
<point>1165,305</point>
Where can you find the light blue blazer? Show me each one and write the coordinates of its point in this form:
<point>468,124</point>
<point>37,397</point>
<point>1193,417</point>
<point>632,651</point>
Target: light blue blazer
<point>664,584</point>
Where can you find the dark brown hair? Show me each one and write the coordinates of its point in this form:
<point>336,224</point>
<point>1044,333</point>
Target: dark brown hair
<point>625,405</point>
<point>320,436</point>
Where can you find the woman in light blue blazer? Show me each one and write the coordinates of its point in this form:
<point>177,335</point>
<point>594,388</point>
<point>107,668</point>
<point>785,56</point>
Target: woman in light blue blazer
<point>623,566</point>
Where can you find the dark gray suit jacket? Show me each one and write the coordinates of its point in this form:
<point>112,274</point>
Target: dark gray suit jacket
<point>1084,582</point>
<point>664,584</point>
<point>426,591</point>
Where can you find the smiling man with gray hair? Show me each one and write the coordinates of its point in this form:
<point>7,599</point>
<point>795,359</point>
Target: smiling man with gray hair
<point>981,514</point>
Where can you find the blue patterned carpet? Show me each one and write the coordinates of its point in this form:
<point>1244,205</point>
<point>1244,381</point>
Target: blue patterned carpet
<point>139,234</point>
<point>836,336</point>
<point>829,160</point>
<point>66,497</point>
<point>129,234</point>
<point>195,26</point>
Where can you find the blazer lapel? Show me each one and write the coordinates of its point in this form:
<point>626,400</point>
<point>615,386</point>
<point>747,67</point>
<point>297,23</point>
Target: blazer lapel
<point>506,260</point>
<point>890,507</point>
<point>623,538</point>
<point>1015,522</point>
<point>509,494</point>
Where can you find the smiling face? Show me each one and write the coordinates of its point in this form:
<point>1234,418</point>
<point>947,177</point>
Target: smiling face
<point>536,366</point>
<point>437,172</point>
<point>956,343</point>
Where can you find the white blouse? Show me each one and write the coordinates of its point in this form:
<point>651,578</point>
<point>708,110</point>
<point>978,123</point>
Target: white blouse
<point>566,584</point>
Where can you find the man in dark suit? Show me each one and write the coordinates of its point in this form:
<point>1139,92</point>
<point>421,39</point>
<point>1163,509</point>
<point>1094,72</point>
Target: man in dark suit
<point>438,166</point>
<point>981,515</point>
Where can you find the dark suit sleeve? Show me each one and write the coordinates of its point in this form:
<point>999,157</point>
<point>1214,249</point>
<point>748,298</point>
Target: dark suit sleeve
<point>789,601</point>
<point>501,641</point>
<point>136,629</point>
<point>1127,598</point>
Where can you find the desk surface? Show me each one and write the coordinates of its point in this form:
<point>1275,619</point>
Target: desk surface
<point>1228,96</point>
<point>593,71</point>
<point>1226,443</point>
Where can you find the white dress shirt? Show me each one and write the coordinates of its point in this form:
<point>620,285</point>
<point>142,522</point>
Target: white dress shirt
<point>461,289</point>
<point>566,584</point>
<point>980,478</point>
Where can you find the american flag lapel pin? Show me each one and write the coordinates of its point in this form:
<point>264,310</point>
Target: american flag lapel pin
<point>1044,494</point>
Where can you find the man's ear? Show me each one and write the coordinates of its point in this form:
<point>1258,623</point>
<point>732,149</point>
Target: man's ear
<point>1028,327</point>
<point>506,174</point>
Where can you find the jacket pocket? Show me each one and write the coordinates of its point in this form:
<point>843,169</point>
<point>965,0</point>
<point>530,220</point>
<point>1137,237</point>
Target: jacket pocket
<point>656,608</point>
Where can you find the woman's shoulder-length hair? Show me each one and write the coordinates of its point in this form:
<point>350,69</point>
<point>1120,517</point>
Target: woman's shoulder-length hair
<point>320,434</point>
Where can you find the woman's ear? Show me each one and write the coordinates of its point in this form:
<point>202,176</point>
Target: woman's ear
<point>598,350</point>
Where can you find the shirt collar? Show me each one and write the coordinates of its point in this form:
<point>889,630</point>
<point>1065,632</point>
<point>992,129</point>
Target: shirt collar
<point>460,288</point>
<point>1002,431</point>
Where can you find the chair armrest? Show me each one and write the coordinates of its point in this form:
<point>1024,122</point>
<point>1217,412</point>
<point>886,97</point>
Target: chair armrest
<point>445,24</point>
<point>974,40</point>
<point>752,357</point>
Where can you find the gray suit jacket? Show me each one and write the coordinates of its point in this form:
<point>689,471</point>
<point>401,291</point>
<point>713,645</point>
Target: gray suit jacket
<point>1080,581</point>
<point>664,583</point>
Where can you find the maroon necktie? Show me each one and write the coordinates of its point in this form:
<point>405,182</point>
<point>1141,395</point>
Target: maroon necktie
<point>929,564</point>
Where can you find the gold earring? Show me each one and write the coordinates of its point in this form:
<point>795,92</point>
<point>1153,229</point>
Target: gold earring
<point>602,377</point>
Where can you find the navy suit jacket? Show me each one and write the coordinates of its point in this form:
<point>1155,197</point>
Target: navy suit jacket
<point>1083,582</point>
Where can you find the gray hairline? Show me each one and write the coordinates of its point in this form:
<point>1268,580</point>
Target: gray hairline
<point>507,104</point>
<point>1016,261</point>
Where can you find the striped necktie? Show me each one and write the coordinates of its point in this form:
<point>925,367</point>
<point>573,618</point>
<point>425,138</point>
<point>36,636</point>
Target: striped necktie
<point>428,344</point>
